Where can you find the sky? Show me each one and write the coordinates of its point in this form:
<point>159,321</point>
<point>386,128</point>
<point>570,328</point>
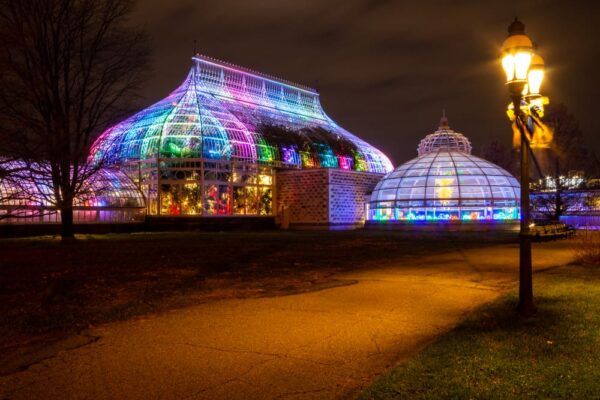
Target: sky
<point>385,69</point>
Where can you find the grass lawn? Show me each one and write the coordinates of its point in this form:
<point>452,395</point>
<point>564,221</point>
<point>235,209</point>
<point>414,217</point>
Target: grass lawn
<point>495,354</point>
<point>50,289</point>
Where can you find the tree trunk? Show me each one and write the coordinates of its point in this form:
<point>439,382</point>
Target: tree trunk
<point>66,217</point>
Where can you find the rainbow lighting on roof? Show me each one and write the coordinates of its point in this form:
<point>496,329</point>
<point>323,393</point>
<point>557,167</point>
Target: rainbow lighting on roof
<point>220,112</point>
<point>446,183</point>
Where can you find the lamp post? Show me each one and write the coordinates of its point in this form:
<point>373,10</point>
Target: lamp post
<point>524,75</point>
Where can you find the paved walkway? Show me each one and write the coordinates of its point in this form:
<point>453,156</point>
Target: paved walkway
<point>326,344</point>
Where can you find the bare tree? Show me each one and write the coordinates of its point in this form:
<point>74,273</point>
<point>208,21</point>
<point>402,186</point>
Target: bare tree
<point>568,146</point>
<point>69,69</point>
<point>497,153</point>
<point>551,205</point>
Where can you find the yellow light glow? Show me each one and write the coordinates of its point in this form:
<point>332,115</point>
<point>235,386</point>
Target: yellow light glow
<point>522,62</point>
<point>265,179</point>
<point>534,80</point>
<point>536,74</point>
<point>508,63</point>
<point>444,191</point>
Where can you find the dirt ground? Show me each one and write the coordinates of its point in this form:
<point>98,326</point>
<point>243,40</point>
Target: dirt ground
<point>49,290</point>
<point>258,327</point>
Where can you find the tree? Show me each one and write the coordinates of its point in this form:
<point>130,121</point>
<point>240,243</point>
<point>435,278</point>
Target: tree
<point>567,153</point>
<point>568,146</point>
<point>498,154</point>
<point>550,203</point>
<point>69,68</point>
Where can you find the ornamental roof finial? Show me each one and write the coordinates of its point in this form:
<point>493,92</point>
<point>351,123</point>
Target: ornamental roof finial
<point>444,120</point>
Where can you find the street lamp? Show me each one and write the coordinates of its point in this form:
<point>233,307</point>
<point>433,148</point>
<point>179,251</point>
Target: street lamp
<point>535,76</point>
<point>524,74</point>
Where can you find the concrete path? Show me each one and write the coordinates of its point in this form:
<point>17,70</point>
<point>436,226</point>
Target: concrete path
<point>326,344</point>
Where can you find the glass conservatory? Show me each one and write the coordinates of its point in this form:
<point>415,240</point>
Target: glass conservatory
<point>210,148</point>
<point>109,196</point>
<point>445,183</point>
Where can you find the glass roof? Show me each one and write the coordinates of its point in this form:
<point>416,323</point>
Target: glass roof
<point>446,185</point>
<point>444,139</point>
<point>219,112</point>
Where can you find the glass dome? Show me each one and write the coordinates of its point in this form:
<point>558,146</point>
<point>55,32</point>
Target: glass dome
<point>444,139</point>
<point>446,184</point>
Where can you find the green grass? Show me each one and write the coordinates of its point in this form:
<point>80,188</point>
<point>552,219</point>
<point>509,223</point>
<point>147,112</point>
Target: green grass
<point>496,355</point>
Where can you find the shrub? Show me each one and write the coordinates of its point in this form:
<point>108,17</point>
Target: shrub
<point>586,246</point>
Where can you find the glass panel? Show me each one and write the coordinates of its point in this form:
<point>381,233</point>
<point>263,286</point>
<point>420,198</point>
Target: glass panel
<point>499,181</point>
<point>398,173</point>
<point>416,172</point>
<point>469,171</point>
<point>422,165</point>
<point>170,200</point>
<point>475,202</point>
<point>465,164</point>
<point>387,194</point>
<point>499,192</point>
<point>239,200</point>
<point>191,199</point>
<point>442,171</point>
<point>266,201</point>
<point>442,192</point>
<point>473,180</point>
<point>475,191</point>
<point>390,183</point>
<point>491,171</point>
<point>441,203</point>
<point>411,193</point>
<point>441,181</point>
<point>416,181</point>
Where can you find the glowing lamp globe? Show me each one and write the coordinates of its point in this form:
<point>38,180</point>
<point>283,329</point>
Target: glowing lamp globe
<point>517,53</point>
<point>535,75</point>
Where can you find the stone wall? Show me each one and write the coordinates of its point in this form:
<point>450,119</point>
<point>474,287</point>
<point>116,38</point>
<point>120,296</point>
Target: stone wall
<point>326,198</point>
<point>347,191</point>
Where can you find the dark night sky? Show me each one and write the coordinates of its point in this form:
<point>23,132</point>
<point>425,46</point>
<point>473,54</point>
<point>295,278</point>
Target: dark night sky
<point>387,68</point>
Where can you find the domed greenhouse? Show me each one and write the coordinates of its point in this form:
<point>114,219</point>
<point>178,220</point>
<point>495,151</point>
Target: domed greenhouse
<point>445,184</point>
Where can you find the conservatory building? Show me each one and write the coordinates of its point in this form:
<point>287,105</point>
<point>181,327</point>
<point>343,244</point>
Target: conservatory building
<point>234,142</point>
<point>228,142</point>
<point>445,186</point>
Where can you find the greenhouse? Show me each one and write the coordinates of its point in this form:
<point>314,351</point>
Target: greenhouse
<point>109,196</point>
<point>445,183</point>
<point>211,147</point>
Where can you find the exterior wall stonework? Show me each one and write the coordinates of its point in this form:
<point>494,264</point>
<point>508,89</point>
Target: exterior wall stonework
<point>304,195</point>
<point>347,191</point>
<point>324,197</point>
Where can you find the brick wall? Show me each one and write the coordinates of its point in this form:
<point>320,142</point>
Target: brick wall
<point>347,191</point>
<point>324,197</point>
<point>304,193</point>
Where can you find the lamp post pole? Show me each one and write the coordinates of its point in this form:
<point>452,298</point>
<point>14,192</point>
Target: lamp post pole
<point>525,307</point>
<point>524,74</point>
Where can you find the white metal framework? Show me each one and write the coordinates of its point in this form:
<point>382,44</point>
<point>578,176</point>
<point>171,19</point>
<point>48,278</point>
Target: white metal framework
<point>445,183</point>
